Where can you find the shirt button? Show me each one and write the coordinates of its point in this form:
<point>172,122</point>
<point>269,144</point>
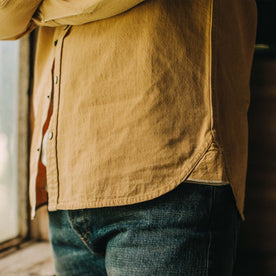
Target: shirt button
<point>50,135</point>
<point>56,79</point>
<point>56,42</point>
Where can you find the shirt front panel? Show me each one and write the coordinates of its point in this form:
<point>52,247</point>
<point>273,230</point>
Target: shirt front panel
<point>133,105</point>
<point>130,120</point>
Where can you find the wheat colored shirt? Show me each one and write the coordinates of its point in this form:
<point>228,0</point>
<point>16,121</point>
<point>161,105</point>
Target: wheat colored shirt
<point>145,95</point>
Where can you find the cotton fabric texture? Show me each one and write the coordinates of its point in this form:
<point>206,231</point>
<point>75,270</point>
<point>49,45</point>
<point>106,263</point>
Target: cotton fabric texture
<point>192,230</point>
<point>144,96</point>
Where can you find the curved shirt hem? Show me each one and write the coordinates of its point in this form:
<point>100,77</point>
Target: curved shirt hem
<point>86,202</point>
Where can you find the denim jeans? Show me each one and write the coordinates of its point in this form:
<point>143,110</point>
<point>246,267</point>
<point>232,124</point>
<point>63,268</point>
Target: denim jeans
<point>191,231</point>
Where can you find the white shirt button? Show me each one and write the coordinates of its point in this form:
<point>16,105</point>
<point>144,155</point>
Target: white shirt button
<point>50,135</point>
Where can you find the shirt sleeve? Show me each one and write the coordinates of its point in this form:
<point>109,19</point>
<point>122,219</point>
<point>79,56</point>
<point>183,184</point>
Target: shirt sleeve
<point>53,13</point>
<point>16,18</point>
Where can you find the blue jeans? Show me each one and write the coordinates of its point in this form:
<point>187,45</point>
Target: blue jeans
<point>191,231</point>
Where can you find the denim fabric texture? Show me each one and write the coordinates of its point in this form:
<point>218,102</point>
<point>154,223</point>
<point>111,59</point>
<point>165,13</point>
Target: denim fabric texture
<point>190,231</point>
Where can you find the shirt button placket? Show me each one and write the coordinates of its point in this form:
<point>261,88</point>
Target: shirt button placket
<point>52,169</point>
<point>54,189</point>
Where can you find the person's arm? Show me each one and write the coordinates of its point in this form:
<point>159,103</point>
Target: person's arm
<point>55,13</point>
<point>15,17</point>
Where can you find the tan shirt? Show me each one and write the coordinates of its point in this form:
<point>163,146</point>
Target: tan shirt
<point>144,97</point>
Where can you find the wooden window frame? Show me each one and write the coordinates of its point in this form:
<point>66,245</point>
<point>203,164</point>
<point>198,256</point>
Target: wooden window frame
<point>23,146</point>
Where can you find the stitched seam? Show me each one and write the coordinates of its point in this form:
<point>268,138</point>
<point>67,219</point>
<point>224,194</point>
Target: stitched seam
<point>211,208</point>
<point>57,116</point>
<point>208,253</point>
<point>86,235</point>
<point>213,89</point>
<point>211,69</point>
<point>85,238</point>
<point>216,138</point>
<point>70,220</point>
<point>207,182</point>
<point>213,84</point>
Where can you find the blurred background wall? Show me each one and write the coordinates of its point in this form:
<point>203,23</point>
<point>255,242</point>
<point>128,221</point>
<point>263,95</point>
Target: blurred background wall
<point>257,246</point>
